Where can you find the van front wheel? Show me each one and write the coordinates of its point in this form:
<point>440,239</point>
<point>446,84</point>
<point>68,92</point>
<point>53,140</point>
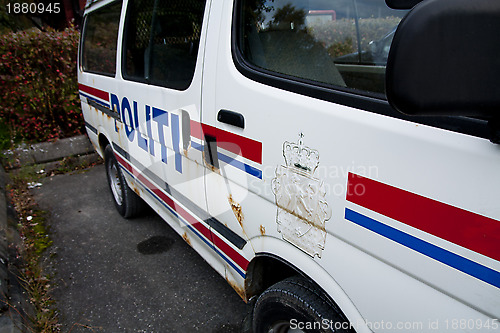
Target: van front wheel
<point>127,202</point>
<point>296,305</point>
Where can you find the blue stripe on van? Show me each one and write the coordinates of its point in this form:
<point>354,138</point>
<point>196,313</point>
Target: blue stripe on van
<point>231,161</point>
<point>90,127</point>
<point>446,257</point>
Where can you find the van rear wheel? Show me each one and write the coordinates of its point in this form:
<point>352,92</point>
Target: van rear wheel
<point>296,305</point>
<point>127,202</point>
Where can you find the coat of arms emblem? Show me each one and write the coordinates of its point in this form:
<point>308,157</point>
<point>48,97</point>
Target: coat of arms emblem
<point>301,199</point>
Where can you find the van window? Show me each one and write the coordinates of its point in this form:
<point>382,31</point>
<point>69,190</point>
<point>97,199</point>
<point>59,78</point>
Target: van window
<point>161,41</point>
<point>342,43</point>
<point>100,40</point>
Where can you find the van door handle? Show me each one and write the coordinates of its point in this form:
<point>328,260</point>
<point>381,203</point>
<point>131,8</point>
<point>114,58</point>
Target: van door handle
<point>231,118</point>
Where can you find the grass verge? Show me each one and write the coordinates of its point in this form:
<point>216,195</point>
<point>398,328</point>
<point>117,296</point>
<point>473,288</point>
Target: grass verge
<point>32,226</point>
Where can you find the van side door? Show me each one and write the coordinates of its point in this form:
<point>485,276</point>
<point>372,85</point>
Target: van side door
<point>158,99</point>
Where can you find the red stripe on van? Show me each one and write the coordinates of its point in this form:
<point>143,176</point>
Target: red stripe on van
<point>234,143</point>
<point>465,228</point>
<point>95,92</point>
<point>222,245</point>
<point>230,252</point>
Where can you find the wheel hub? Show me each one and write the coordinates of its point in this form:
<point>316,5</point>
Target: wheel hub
<point>116,184</point>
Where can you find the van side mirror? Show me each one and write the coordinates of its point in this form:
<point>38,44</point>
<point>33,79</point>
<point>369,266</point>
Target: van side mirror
<point>445,60</point>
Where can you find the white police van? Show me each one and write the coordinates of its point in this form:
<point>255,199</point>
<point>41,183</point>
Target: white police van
<point>337,161</point>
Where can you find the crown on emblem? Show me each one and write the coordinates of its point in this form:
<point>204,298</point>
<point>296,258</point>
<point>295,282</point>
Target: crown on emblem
<point>300,157</point>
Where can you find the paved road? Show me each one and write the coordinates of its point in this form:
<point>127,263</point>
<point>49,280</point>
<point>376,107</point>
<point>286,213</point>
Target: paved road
<point>105,284</point>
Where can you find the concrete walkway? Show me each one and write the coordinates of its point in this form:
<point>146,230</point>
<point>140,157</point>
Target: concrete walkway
<point>48,151</point>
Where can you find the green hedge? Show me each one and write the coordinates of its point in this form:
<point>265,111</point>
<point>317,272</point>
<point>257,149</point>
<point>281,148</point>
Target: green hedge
<point>39,96</point>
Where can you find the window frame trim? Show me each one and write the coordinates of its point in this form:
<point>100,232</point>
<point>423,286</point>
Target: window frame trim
<point>155,83</point>
<point>362,100</point>
<point>126,27</point>
<point>84,33</point>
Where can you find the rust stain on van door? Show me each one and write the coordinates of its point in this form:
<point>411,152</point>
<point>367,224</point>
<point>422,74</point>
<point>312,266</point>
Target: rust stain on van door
<point>301,199</point>
<point>117,127</point>
<point>239,290</point>
<point>135,189</point>
<point>186,238</point>
<point>236,207</point>
<point>262,230</point>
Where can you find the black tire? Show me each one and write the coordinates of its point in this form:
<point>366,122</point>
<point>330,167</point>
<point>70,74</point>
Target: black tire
<point>127,202</point>
<point>291,304</point>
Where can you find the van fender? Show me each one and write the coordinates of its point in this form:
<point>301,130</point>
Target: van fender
<point>101,130</point>
<point>302,262</point>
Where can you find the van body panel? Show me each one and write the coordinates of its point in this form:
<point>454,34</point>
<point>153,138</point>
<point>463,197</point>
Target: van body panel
<point>398,222</point>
